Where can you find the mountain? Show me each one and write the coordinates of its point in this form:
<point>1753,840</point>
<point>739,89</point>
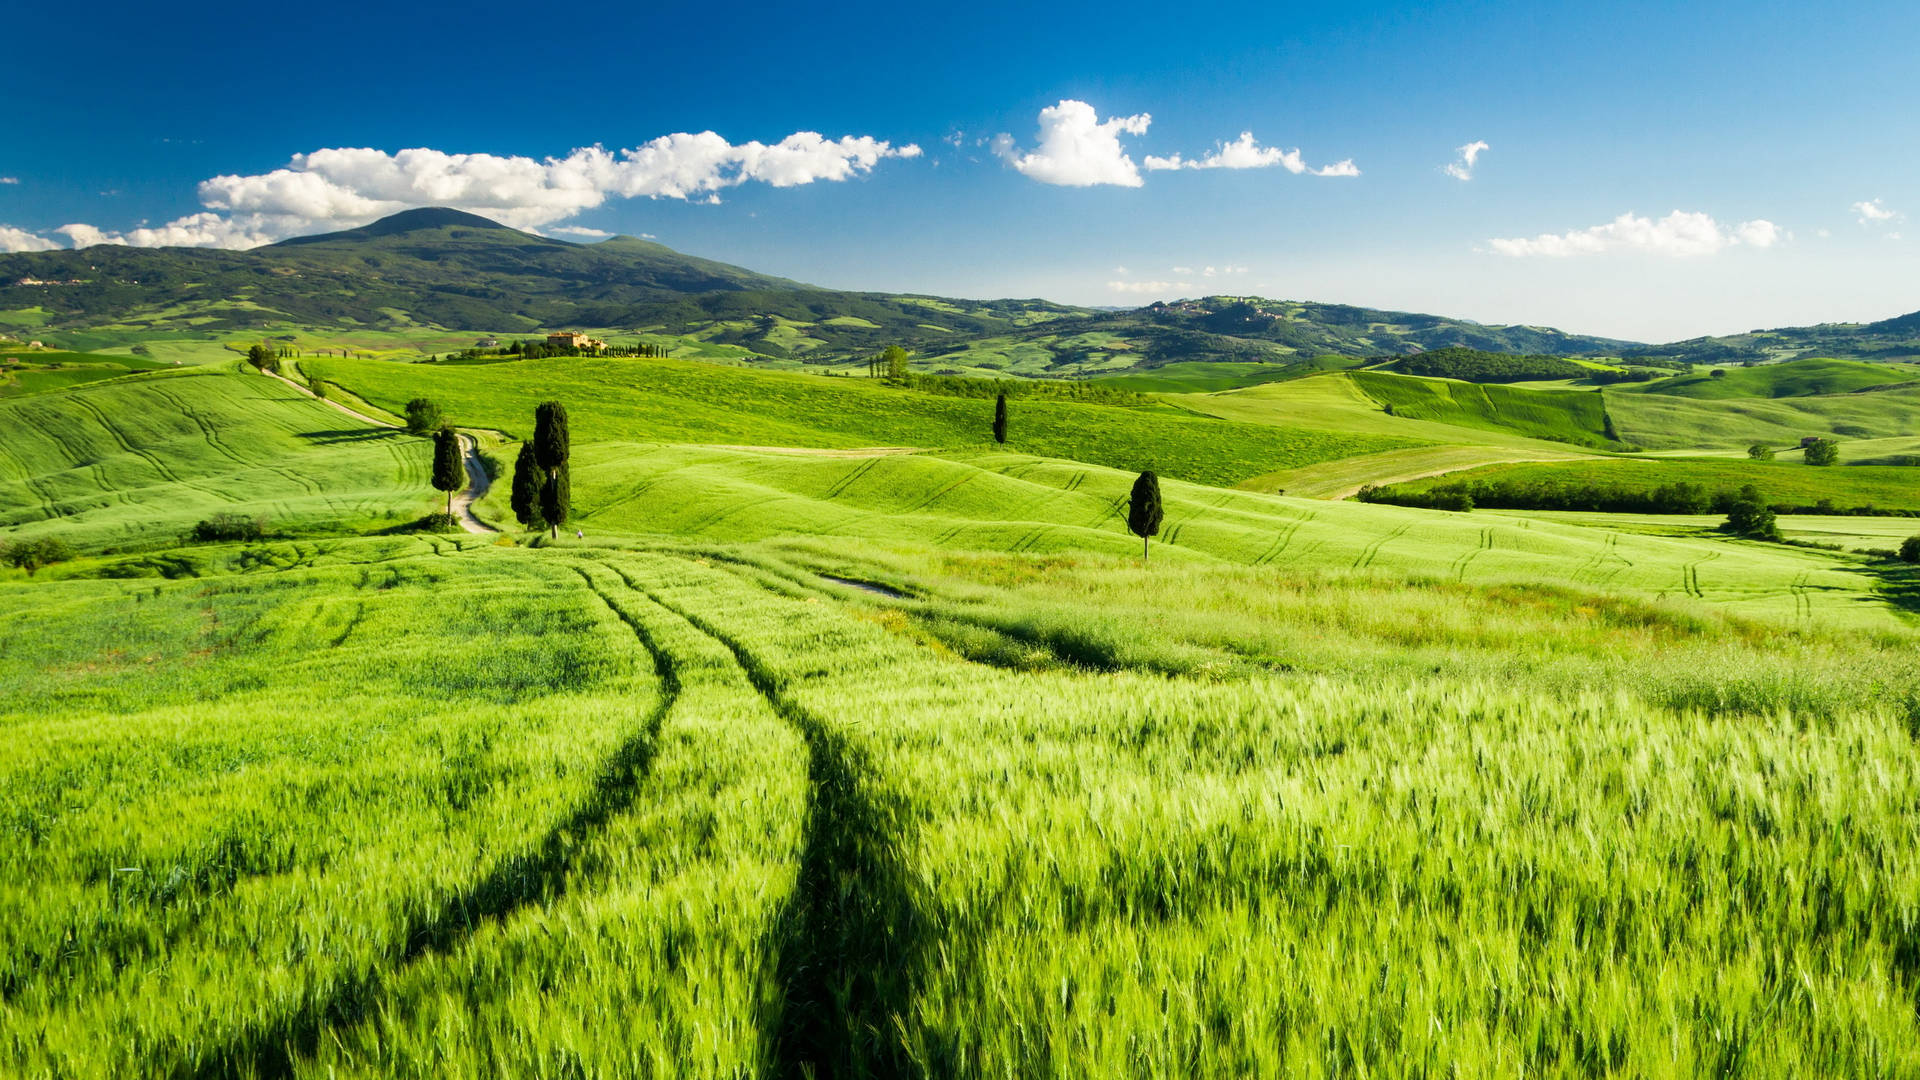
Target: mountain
<point>444,268</point>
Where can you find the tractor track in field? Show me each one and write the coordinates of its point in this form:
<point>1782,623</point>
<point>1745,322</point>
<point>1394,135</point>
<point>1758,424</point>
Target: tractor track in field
<point>848,480</point>
<point>1281,540</point>
<point>1372,551</point>
<point>1690,575</point>
<point>939,494</point>
<point>856,940</point>
<point>535,875</point>
<point>1460,564</point>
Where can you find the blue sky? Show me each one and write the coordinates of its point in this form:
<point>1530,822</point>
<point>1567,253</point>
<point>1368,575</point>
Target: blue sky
<point>1649,172</point>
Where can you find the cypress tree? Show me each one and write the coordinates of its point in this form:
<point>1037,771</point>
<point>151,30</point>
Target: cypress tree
<point>551,449</point>
<point>449,474</point>
<point>551,442</point>
<point>1143,510</point>
<point>1000,419</point>
<point>527,481</point>
<point>555,494</point>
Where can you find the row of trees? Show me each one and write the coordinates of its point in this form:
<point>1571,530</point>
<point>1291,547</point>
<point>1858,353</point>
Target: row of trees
<point>542,490</point>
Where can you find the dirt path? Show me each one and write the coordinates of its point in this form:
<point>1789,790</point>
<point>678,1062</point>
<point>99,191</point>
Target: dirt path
<point>477,480</point>
<point>477,484</point>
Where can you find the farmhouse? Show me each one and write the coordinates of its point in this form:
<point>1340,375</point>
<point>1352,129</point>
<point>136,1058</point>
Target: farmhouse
<point>575,339</point>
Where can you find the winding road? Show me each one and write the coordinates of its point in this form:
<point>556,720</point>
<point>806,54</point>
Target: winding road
<point>477,480</point>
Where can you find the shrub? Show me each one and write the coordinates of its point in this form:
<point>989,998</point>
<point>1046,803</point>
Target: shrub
<point>1750,517</point>
<point>423,417</point>
<point>1822,452</point>
<point>1760,452</point>
<point>31,555</point>
<point>224,527</point>
<point>1910,549</point>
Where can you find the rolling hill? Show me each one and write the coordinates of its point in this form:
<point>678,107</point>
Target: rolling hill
<point>447,269</point>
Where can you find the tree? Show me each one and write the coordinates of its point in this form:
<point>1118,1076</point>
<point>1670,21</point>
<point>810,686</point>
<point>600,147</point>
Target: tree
<point>551,449</point>
<point>449,473</point>
<point>317,387</point>
<point>1760,452</point>
<point>555,495</point>
<point>1751,517</point>
<point>527,481</point>
<point>1144,513</point>
<point>1718,373</point>
<point>1822,452</point>
<point>423,417</point>
<point>894,359</point>
<point>31,555</point>
<point>262,358</point>
<point>1910,549</point>
<point>1000,419</point>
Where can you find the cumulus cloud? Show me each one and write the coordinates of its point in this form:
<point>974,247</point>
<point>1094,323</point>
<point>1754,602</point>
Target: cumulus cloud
<point>581,230</point>
<point>1874,212</point>
<point>1077,148</point>
<point>1461,167</point>
<point>9,179</point>
<point>1246,152</point>
<point>1680,234</point>
<point>344,187</point>
<point>12,239</point>
<point>1162,288</point>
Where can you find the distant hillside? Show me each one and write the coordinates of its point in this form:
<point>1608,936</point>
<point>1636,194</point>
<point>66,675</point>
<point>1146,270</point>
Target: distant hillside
<point>1795,378</point>
<point>453,270</point>
<point>1889,339</point>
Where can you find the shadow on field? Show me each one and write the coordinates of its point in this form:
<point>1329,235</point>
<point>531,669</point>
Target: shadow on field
<point>349,435</point>
<point>854,940</point>
<point>1899,584</point>
<point>537,875</point>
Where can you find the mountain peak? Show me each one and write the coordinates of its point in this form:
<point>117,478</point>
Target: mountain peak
<point>406,221</point>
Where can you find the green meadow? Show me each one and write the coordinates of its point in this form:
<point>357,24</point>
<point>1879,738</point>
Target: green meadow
<point>849,743</point>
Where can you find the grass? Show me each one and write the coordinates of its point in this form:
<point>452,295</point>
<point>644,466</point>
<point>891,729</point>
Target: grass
<point>1795,378</point>
<point>1323,789</point>
<point>1664,421</point>
<point>1781,483</point>
<point>411,807</point>
<point>1565,416</point>
<point>132,463</point>
<point>668,400</point>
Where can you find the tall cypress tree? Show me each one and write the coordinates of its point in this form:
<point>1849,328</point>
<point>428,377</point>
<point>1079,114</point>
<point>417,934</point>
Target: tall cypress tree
<point>449,474</point>
<point>555,494</point>
<point>1000,419</point>
<point>1143,510</point>
<point>551,448</point>
<point>527,480</point>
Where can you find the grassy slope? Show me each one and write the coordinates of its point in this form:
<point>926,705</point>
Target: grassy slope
<point>1562,416</point>
<point>666,400</point>
<point>1335,402</point>
<point>1780,482</point>
<point>125,462</point>
<point>780,829</point>
<point>987,501</point>
<point>1797,378</point>
<point>1664,421</point>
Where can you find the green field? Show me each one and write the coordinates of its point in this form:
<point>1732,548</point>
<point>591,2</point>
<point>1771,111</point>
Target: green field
<point>1798,378</point>
<point>669,400</point>
<point>849,743</point>
<point>1780,483</point>
<point>138,463</point>
<point>1565,416</point>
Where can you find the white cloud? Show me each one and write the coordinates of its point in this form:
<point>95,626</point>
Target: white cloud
<point>345,187</point>
<point>1680,234</point>
<point>12,240</point>
<point>581,230</point>
<point>9,179</point>
<point>1462,167</point>
<point>1077,148</point>
<point>1874,212</point>
<point>1163,288</point>
<point>1183,271</point>
<point>1246,152</point>
<point>1217,271</point>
